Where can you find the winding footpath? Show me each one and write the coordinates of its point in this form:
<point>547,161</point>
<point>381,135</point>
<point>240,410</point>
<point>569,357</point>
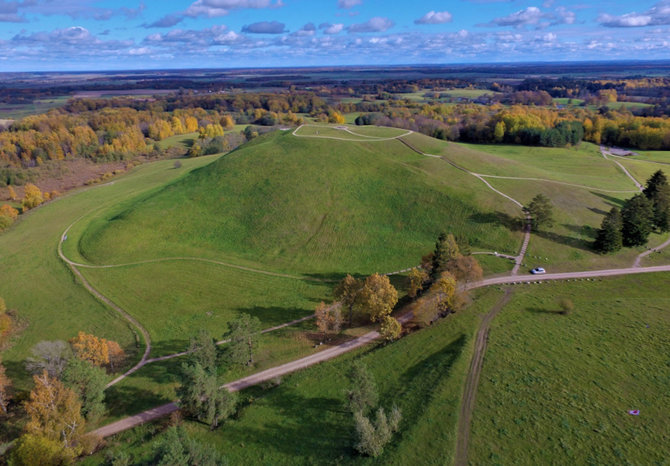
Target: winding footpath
<point>605,153</point>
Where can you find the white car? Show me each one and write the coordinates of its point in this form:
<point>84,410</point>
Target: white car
<point>538,270</point>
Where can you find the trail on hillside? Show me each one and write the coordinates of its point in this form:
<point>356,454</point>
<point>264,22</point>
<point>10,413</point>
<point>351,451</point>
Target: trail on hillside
<point>346,130</point>
<point>605,153</point>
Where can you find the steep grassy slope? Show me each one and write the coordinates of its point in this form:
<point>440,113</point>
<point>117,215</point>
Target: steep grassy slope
<point>308,206</point>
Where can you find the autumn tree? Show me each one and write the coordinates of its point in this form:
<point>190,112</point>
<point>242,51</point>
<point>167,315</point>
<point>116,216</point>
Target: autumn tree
<point>243,333</point>
<point>541,212</point>
<point>89,383</point>
<point>12,193</point>
<point>5,387</point>
<point>377,297</point>
<point>417,278</point>
<point>346,292</point>
<point>390,328</point>
<point>201,397</point>
<point>328,318</point>
<point>637,219</point>
<point>31,450</point>
<point>609,237</point>
<point>8,211</point>
<point>362,394</point>
<point>32,196</point>
<point>54,412</point>
<point>116,355</point>
<point>90,348</point>
<point>443,291</point>
<point>50,356</point>
<point>465,269</point>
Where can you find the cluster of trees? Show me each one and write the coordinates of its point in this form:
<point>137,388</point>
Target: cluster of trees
<point>69,383</point>
<point>201,395</point>
<point>633,223</point>
<point>33,197</point>
<point>371,435</point>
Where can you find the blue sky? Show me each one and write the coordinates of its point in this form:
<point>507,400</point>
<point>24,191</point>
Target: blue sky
<point>124,34</point>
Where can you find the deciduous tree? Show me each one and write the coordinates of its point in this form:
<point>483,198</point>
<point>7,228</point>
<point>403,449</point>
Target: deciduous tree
<point>51,356</point>
<point>89,383</point>
<point>328,318</point>
<point>9,212</point>
<point>201,397</point>
<point>34,450</point>
<point>465,269</point>
<point>91,348</point>
<point>363,392</point>
<point>377,297</point>
<point>202,351</point>
<point>243,333</point>
<point>116,355</point>
<point>390,328</point>
<point>372,438</point>
<point>54,412</point>
<point>417,278</point>
<point>32,196</point>
<point>346,292</point>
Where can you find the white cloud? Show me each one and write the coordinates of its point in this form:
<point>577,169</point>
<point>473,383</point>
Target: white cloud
<point>331,29</point>
<point>376,24</point>
<point>530,16</point>
<point>657,15</point>
<point>346,4</point>
<point>433,17</point>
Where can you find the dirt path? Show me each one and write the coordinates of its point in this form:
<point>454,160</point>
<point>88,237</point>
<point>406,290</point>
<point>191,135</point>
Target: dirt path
<point>472,380</point>
<point>346,130</point>
<point>605,153</point>
<point>545,180</point>
<point>638,259</point>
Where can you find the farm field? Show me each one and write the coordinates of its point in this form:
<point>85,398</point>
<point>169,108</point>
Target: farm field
<point>558,388</point>
<point>355,208</point>
<point>304,420</point>
<point>18,111</point>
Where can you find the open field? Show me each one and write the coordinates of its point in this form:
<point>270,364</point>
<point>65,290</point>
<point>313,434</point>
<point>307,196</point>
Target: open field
<point>184,141</point>
<point>40,287</point>
<point>304,420</point>
<point>18,111</point>
<point>353,208</point>
<point>557,388</point>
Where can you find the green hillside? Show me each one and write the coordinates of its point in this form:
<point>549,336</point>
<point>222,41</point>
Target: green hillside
<point>308,206</point>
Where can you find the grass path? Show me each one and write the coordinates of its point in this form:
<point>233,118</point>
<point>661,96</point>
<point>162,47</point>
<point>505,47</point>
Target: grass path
<point>605,153</point>
<point>346,130</point>
<point>472,380</point>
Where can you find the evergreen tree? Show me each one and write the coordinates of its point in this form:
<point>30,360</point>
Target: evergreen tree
<point>446,250</point>
<point>637,216</point>
<point>658,192</point>
<point>541,212</point>
<point>610,237</point>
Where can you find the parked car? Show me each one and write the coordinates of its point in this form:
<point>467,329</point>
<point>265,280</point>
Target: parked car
<point>538,270</point>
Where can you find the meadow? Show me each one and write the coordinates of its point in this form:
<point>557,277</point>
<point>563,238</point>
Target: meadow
<point>304,420</point>
<point>557,388</point>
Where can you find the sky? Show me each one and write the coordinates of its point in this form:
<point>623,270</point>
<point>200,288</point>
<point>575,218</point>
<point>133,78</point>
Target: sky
<point>96,35</point>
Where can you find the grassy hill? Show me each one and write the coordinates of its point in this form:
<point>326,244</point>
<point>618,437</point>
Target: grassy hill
<point>308,206</point>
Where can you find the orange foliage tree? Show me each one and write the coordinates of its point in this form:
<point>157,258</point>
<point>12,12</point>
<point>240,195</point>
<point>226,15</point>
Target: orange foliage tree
<point>116,354</point>
<point>32,196</point>
<point>91,348</point>
<point>9,211</point>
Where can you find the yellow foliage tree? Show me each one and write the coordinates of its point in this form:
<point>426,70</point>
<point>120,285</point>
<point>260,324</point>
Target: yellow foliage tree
<point>91,348</point>
<point>227,121</point>
<point>390,328</point>
<point>328,318</point>
<point>32,196</point>
<point>54,412</point>
<point>337,117</point>
<point>377,297</point>
<point>12,193</point>
<point>417,277</point>
<point>36,449</point>
<point>191,124</point>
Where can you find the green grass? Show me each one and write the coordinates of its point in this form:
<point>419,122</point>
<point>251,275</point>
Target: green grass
<point>354,133</point>
<point>173,300</point>
<point>304,206</point>
<point>557,388</point>
<point>183,141</point>
<point>493,265</point>
<point>468,93</point>
<point>568,101</point>
<point>41,288</point>
<point>304,421</point>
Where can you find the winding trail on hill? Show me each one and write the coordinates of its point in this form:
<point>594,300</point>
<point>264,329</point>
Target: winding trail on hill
<point>558,182</point>
<point>346,130</point>
<point>638,259</point>
<point>605,153</point>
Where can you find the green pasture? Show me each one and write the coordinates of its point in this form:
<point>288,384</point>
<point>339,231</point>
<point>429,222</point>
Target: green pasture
<point>305,206</point>
<point>556,389</point>
<point>18,111</point>
<point>174,299</point>
<point>50,302</point>
<point>304,420</point>
<point>183,141</point>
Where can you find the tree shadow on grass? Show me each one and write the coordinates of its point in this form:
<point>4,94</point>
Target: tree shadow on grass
<point>576,243</point>
<point>123,400</point>
<point>498,218</point>
<point>539,310</point>
<point>611,201</point>
<point>598,211</point>
<point>585,230</point>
